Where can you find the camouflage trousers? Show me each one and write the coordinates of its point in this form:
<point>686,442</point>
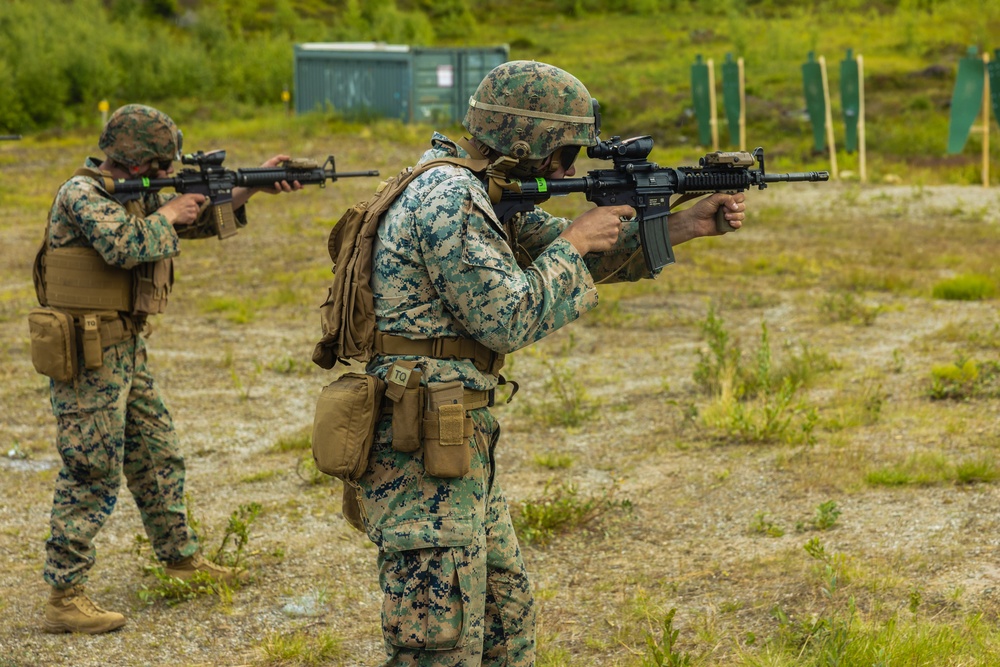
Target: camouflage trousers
<point>111,420</point>
<point>456,592</point>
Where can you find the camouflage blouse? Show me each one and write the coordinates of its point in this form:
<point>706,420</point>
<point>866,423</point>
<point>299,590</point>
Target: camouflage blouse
<point>85,215</point>
<point>443,266</point>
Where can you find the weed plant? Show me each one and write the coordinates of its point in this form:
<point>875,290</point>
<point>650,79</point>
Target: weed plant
<point>229,553</point>
<point>762,525</point>
<point>753,401</point>
<point>845,307</point>
<point>237,535</point>
<point>661,650</point>
<point>565,401</point>
<point>561,509</point>
<point>301,648</point>
<point>827,514</point>
<point>964,379</point>
<point>308,472</point>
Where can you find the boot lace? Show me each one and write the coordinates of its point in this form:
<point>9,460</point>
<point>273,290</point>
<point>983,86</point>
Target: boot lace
<point>83,603</point>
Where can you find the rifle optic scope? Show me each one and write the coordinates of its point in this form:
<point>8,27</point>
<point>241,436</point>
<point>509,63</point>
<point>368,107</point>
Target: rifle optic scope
<point>212,158</point>
<point>636,148</point>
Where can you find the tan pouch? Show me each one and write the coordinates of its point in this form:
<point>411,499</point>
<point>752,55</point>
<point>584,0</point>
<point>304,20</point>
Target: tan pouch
<point>93,353</point>
<point>344,424</point>
<point>53,343</point>
<point>407,396</point>
<point>152,286</point>
<point>446,431</point>
<point>350,506</point>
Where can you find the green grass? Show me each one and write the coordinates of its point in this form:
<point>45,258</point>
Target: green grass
<point>562,508</point>
<point>934,468</point>
<point>295,442</point>
<point>965,288</point>
<point>301,648</point>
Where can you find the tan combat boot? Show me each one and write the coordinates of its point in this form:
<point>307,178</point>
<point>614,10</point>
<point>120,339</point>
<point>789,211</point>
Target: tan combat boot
<point>69,610</point>
<point>191,565</point>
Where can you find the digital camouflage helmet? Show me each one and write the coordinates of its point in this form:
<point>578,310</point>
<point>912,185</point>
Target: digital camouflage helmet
<point>136,134</point>
<point>526,110</point>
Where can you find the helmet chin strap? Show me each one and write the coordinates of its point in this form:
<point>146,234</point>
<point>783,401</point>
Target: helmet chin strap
<point>514,167</point>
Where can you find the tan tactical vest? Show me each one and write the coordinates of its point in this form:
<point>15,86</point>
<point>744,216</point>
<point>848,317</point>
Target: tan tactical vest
<point>348,315</point>
<point>78,279</point>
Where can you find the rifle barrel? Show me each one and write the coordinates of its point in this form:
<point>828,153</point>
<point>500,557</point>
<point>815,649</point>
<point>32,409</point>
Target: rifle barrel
<point>808,176</point>
<point>351,174</point>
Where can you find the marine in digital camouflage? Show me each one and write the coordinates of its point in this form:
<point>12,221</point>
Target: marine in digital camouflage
<point>443,266</point>
<point>85,215</point>
<point>111,420</point>
<point>456,590</point>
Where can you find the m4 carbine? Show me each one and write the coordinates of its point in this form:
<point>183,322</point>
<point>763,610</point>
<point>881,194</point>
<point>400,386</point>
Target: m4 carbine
<point>216,182</point>
<point>646,187</point>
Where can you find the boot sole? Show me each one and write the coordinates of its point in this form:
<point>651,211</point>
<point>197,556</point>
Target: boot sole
<point>54,627</point>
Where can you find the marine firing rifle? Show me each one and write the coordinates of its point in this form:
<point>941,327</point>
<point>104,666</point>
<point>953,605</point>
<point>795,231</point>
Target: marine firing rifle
<point>647,187</point>
<point>216,182</point>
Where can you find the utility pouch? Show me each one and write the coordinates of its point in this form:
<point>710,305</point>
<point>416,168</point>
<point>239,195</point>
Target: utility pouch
<point>407,396</point>
<point>446,430</point>
<point>93,354</point>
<point>350,506</point>
<point>53,343</point>
<point>344,425</point>
<point>152,284</point>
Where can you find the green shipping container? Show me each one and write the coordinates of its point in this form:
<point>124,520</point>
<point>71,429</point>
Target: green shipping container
<point>368,80</point>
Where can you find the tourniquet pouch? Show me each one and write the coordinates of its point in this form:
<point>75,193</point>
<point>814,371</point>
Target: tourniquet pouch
<point>446,431</point>
<point>407,396</point>
<point>53,343</point>
<point>344,424</point>
<point>93,353</point>
<point>428,580</point>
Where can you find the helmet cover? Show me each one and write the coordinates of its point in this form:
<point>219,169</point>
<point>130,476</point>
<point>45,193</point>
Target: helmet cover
<point>136,134</point>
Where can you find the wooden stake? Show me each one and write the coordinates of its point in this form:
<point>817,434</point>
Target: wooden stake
<point>743,106</point>
<point>829,120</point>
<point>986,120</point>
<point>862,168</point>
<point>713,121</point>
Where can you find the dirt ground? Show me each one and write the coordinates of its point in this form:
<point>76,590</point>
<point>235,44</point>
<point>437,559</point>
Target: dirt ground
<point>236,389</point>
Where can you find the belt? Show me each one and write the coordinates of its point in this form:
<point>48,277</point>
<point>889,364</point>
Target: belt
<point>471,399</point>
<point>482,357</point>
<point>113,327</point>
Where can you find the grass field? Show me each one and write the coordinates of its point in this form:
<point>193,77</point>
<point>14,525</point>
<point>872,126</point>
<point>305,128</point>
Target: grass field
<point>781,452</point>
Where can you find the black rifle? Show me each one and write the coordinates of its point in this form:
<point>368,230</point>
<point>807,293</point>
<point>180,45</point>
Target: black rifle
<point>216,182</point>
<point>646,187</point>
<point>9,137</point>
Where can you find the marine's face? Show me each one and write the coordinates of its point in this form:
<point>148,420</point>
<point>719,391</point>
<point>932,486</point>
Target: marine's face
<point>561,164</point>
